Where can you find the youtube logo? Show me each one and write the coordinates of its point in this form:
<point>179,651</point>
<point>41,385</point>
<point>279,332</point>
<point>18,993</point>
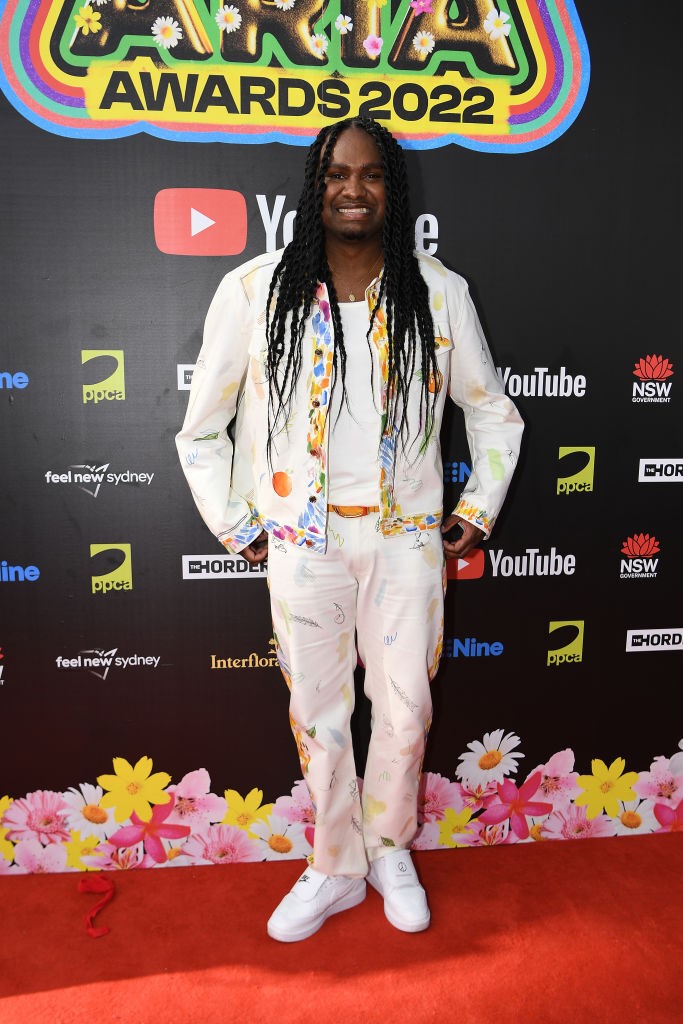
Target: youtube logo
<point>200,221</point>
<point>471,567</point>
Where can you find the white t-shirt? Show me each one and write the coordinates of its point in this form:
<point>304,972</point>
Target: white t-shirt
<point>354,424</point>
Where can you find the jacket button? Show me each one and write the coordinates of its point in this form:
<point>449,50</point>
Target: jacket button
<point>313,499</point>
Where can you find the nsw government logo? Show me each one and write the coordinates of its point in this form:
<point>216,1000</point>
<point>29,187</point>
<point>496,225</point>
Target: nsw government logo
<point>111,386</point>
<point>581,478</point>
<point>120,577</point>
<point>653,384</point>
<point>639,563</point>
<point>649,640</point>
<point>567,638</point>
<point>221,567</point>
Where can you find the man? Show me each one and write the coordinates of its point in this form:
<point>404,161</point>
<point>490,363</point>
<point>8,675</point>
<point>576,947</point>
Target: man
<point>336,356</point>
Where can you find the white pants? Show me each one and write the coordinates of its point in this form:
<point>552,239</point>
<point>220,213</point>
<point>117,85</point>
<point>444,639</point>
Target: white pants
<point>386,595</point>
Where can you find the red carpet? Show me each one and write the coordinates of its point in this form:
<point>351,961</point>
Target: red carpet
<point>581,932</point>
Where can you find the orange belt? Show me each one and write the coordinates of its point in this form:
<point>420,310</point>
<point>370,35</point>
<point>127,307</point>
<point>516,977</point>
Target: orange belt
<point>353,511</point>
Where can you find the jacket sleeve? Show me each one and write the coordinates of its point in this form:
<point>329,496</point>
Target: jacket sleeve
<point>493,424</point>
<point>205,449</point>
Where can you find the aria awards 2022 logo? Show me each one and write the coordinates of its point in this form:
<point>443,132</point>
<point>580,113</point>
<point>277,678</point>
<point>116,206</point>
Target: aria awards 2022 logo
<point>493,76</point>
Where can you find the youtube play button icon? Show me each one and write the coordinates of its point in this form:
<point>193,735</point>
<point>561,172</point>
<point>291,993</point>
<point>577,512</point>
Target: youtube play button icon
<point>200,221</point>
<point>471,567</point>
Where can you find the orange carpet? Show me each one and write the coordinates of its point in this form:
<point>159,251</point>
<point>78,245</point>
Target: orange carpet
<point>582,932</point>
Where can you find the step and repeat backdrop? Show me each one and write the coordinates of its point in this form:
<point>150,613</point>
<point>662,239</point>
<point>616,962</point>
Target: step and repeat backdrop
<point>147,149</point>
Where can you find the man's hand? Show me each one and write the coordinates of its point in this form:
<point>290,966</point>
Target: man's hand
<point>257,551</point>
<point>471,536</point>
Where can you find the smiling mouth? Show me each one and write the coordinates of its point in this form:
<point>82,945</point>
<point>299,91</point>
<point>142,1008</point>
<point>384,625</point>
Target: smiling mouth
<point>352,210</point>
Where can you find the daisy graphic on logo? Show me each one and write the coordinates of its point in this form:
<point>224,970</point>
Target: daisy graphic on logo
<point>284,5</point>
<point>496,24</point>
<point>489,761</point>
<point>343,24</point>
<point>319,44</point>
<point>228,18</point>
<point>166,32</point>
<point>423,43</point>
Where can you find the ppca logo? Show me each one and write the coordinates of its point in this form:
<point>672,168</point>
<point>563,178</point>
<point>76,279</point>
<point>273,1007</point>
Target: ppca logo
<point>107,389</point>
<point>582,478</point>
<point>568,642</point>
<point>118,578</point>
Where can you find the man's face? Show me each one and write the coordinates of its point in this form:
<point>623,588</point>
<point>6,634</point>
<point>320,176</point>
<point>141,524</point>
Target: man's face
<point>354,198</point>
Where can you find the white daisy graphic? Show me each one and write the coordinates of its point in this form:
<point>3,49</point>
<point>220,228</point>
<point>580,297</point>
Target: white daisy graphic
<point>280,838</point>
<point>100,3</point>
<point>319,44</point>
<point>284,5</point>
<point>85,814</point>
<point>489,761</point>
<point>343,24</point>
<point>635,818</point>
<point>166,32</point>
<point>423,43</point>
<point>496,24</point>
<point>228,18</point>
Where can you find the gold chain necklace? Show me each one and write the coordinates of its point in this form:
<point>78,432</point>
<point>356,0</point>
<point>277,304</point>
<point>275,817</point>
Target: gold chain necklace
<point>366,273</point>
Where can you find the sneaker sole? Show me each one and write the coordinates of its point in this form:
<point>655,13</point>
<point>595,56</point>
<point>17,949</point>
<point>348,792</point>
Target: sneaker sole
<point>352,899</point>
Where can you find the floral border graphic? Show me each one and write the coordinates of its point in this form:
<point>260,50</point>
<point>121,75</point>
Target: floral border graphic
<point>135,818</point>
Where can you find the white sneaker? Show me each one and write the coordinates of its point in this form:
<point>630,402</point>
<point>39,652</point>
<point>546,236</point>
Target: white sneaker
<point>313,899</point>
<point>405,902</point>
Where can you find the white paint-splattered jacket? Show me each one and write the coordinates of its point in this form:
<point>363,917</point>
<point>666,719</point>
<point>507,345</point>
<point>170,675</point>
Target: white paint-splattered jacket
<point>236,490</point>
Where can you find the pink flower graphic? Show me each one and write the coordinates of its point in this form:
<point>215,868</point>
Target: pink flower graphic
<point>194,804</point>
<point>422,6</point>
<point>373,45</point>
<point>670,818</point>
<point>515,804</point>
<point>222,844</point>
<point>110,858</point>
<point>572,823</point>
<point>151,832</point>
<point>298,806</point>
<point>35,859</point>
<point>475,795</point>
<point>558,781</point>
<point>435,795</point>
<point>427,837</point>
<point>479,834</point>
<point>659,784</point>
<point>40,815</point>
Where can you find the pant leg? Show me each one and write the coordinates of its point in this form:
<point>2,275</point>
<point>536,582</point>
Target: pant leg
<point>313,605</point>
<point>400,634</point>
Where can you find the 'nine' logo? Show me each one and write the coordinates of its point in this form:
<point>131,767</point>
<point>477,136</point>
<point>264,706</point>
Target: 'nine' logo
<point>571,652</point>
<point>118,578</point>
<point>112,388</point>
<point>581,480</point>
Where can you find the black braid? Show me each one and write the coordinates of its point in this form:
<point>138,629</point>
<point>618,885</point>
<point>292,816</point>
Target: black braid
<point>403,290</point>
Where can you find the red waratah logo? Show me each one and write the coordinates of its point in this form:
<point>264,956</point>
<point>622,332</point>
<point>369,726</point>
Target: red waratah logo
<point>640,545</point>
<point>653,368</point>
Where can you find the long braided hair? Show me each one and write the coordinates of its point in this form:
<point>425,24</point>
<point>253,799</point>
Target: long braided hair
<point>403,291</point>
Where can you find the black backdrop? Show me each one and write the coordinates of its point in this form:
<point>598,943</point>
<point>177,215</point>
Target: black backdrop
<point>571,254</point>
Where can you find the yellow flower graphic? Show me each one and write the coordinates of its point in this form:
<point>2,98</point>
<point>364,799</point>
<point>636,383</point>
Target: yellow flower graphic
<point>77,848</point>
<point>244,811</point>
<point>605,788</point>
<point>453,823</point>
<point>88,20</point>
<point>6,848</point>
<point>134,789</point>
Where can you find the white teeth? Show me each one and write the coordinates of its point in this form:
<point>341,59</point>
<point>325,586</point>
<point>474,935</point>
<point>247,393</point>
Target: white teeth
<point>354,209</point>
